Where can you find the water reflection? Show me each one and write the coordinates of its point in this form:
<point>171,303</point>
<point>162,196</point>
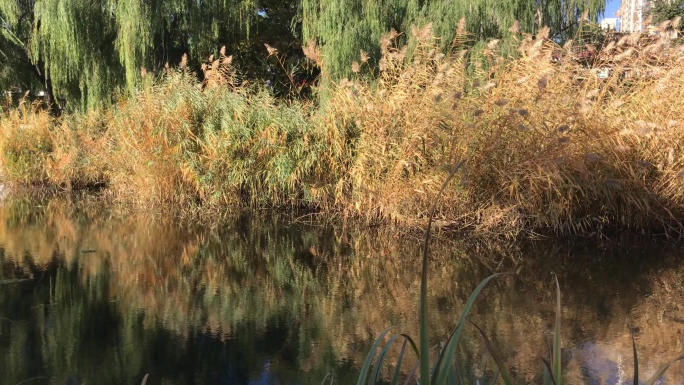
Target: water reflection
<point>88,295</point>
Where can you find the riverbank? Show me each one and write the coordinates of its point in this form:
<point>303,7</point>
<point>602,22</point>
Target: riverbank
<point>549,146</point>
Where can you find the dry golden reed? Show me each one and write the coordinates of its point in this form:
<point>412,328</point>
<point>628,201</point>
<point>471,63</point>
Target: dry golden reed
<point>549,144</point>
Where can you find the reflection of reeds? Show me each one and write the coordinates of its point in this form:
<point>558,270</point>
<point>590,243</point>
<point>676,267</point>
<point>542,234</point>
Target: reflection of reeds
<point>446,366</point>
<point>338,293</point>
<point>549,145</point>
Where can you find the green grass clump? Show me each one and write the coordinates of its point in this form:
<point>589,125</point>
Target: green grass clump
<point>180,142</point>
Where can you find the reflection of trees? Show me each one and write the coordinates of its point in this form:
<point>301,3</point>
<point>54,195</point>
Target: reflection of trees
<point>55,323</point>
<point>310,298</point>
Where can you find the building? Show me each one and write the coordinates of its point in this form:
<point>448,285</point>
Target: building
<point>610,24</point>
<point>632,15</point>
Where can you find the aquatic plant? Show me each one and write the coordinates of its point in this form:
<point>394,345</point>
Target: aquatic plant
<point>445,368</point>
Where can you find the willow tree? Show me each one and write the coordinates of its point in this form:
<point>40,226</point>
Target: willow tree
<point>343,28</point>
<point>84,50</point>
<point>661,10</point>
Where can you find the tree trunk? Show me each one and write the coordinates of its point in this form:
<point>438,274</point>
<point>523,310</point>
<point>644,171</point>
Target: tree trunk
<point>50,100</point>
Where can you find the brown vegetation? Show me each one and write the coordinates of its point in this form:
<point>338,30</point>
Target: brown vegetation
<point>548,145</point>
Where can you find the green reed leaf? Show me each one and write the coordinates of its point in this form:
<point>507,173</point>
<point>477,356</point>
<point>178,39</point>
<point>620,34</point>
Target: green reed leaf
<point>445,360</point>
<point>452,378</point>
<point>636,359</point>
<point>424,348</point>
<point>548,376</point>
<point>411,342</point>
<point>557,375</point>
<point>400,360</point>
<point>661,370</point>
<point>381,360</point>
<point>496,377</point>
<point>370,356</point>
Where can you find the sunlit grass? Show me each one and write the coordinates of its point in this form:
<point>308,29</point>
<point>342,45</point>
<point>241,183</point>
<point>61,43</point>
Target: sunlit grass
<point>549,146</point>
<point>446,367</point>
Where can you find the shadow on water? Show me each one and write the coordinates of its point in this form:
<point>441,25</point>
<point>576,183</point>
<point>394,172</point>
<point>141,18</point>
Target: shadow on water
<point>89,295</point>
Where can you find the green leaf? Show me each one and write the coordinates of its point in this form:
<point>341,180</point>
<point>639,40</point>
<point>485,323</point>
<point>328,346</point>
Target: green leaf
<point>440,345</point>
<point>636,359</point>
<point>557,375</point>
<point>424,347</point>
<point>452,378</point>
<point>446,359</point>
<point>370,356</point>
<point>397,370</point>
<point>411,342</point>
<point>661,370</point>
<point>548,377</point>
<point>381,359</point>
<point>483,379</point>
<point>457,370</point>
<point>496,377</point>
<point>330,374</point>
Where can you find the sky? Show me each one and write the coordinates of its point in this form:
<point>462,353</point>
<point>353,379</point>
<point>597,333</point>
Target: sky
<point>611,7</point>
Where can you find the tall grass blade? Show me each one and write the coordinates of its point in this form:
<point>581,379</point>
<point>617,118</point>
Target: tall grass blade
<point>8,281</point>
<point>332,378</point>
<point>411,342</point>
<point>381,359</point>
<point>453,379</point>
<point>495,378</point>
<point>424,348</point>
<point>370,356</point>
<point>496,356</point>
<point>397,370</point>
<point>661,370</point>
<point>658,373</point>
<point>459,373</point>
<point>548,377</point>
<point>557,375</point>
<point>440,345</point>
<point>446,359</point>
<point>636,360</point>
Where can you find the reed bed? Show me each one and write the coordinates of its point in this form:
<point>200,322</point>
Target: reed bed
<point>548,145</point>
<point>446,367</point>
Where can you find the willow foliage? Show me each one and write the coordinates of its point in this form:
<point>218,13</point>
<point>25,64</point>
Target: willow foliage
<point>662,10</point>
<point>343,28</point>
<point>83,50</point>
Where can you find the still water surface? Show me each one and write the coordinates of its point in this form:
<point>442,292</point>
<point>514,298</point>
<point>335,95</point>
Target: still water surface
<point>92,296</point>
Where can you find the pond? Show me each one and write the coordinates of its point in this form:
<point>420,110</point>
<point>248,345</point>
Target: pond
<point>92,295</point>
